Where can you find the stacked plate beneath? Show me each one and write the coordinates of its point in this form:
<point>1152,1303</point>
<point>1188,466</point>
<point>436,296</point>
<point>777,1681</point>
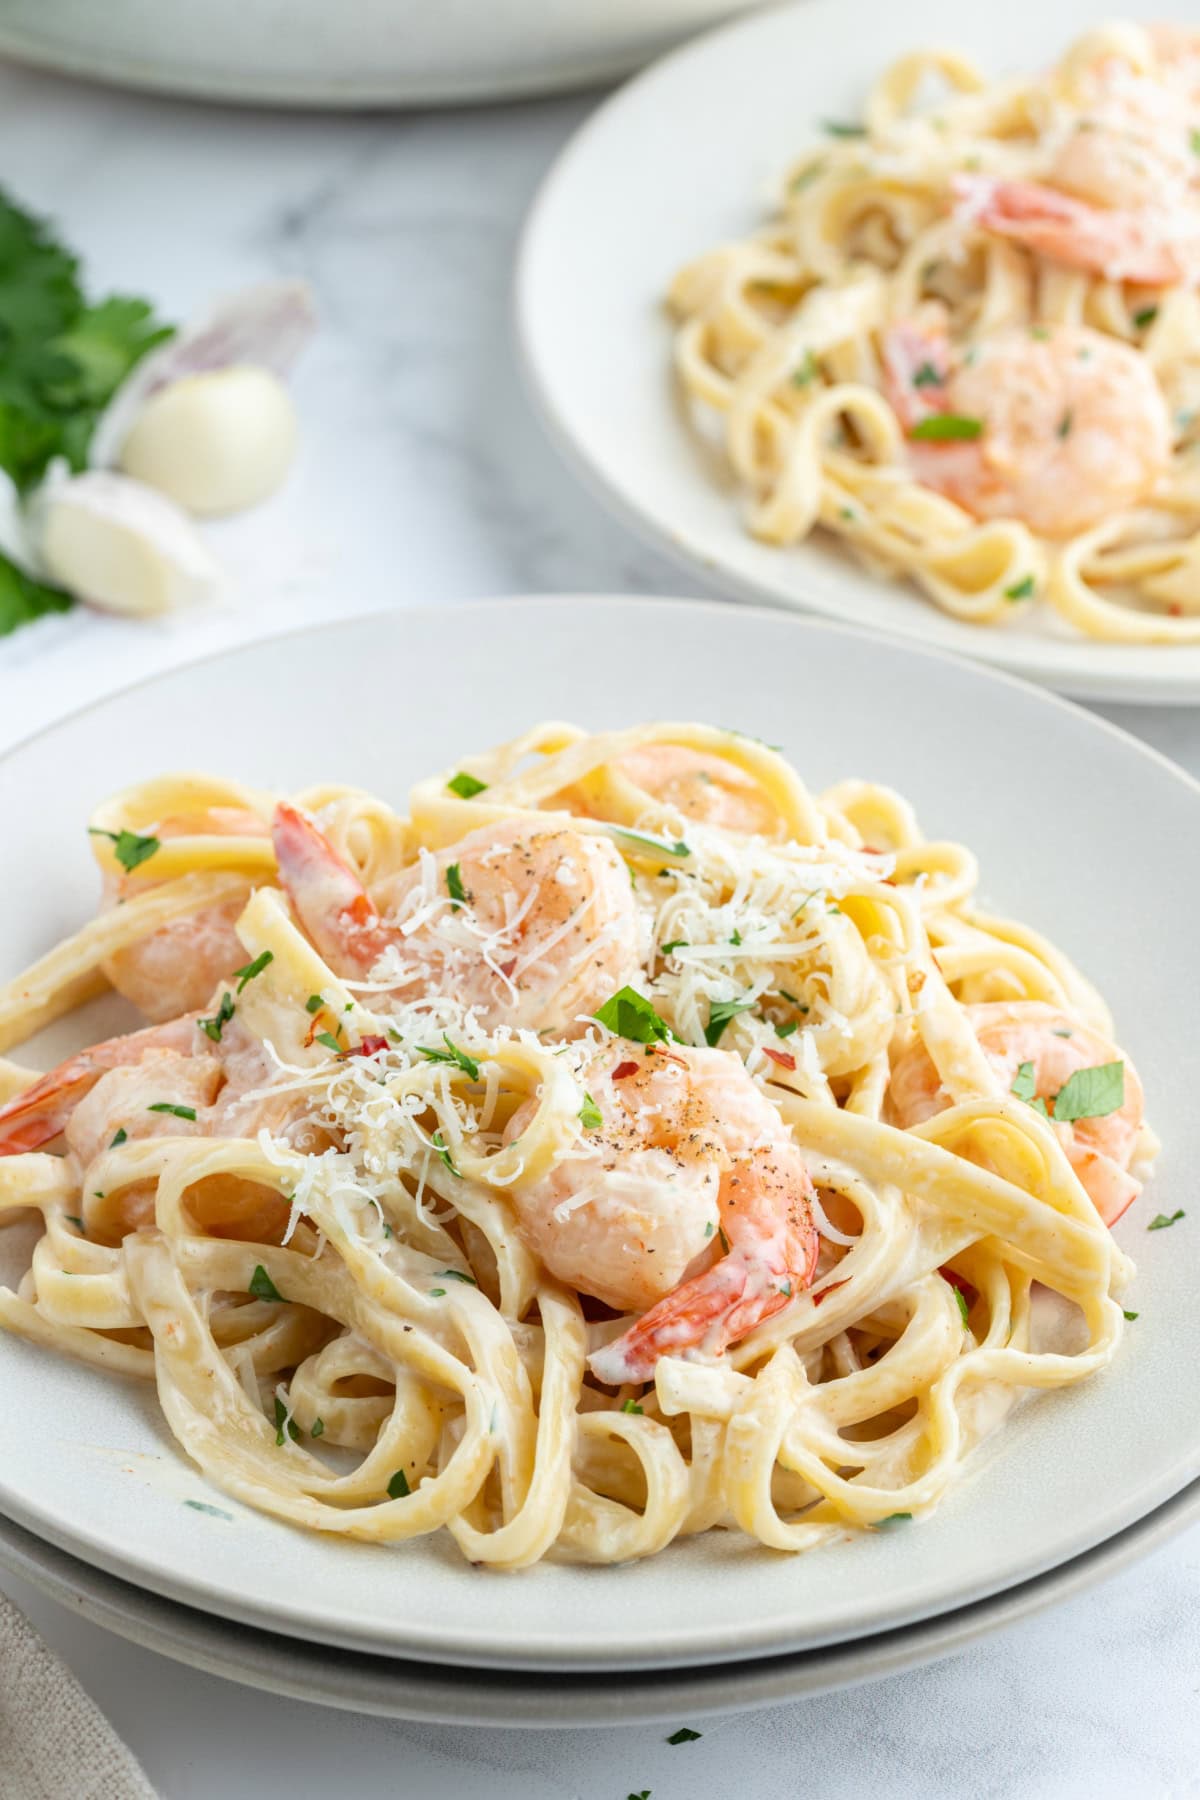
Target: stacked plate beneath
<point>101,1506</point>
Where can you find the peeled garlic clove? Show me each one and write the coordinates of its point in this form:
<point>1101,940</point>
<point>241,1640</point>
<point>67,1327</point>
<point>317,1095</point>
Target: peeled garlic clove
<point>119,545</point>
<point>215,443</point>
<point>266,326</point>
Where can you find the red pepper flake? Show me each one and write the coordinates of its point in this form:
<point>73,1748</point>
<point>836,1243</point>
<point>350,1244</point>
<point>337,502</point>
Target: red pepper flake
<point>370,1046</point>
<point>506,968</point>
<point>870,850</point>
<point>623,1069</point>
<point>824,1293</point>
<point>361,910</point>
<point>1175,609</point>
<point>781,1057</point>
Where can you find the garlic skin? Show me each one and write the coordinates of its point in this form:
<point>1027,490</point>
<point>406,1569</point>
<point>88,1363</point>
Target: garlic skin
<point>120,546</point>
<point>216,442</point>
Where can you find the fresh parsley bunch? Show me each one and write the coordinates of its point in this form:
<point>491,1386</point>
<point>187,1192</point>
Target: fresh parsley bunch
<point>61,361</point>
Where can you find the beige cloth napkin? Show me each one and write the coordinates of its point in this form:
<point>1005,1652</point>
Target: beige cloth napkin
<point>55,1743</point>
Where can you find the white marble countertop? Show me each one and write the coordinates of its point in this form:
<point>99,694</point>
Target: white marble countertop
<point>424,478</point>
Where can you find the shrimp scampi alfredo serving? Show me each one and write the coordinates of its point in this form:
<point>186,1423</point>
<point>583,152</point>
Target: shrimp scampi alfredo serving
<point>623,1143</point>
<point>968,345</point>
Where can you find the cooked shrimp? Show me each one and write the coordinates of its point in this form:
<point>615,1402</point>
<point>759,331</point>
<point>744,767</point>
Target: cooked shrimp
<point>689,1199</point>
<point>1153,248</point>
<point>531,925</point>
<point>1071,426</point>
<point>41,1111</point>
<point>176,968</point>
<point>1056,1046</point>
<point>709,789</point>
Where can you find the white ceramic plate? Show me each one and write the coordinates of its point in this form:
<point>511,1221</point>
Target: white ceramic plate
<point>457,1696</point>
<point>686,155</point>
<point>1080,831</point>
<point>357,53</point>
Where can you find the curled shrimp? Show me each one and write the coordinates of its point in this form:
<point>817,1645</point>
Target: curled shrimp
<point>1055,1046</point>
<point>175,969</point>
<point>688,1201</point>
<point>1070,425</point>
<point>1117,243</point>
<point>531,925</point>
<point>698,785</point>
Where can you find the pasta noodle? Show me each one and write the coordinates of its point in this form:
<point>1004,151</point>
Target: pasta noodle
<point>966,345</point>
<point>623,1144</point>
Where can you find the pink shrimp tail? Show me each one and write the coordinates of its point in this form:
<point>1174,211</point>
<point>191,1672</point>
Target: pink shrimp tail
<point>326,894</point>
<point>1104,241</point>
<point>1111,1188</point>
<point>38,1114</point>
<point>712,1310</point>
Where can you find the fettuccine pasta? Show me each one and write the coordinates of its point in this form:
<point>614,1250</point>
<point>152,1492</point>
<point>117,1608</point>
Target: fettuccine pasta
<point>967,346</point>
<point>624,1143</point>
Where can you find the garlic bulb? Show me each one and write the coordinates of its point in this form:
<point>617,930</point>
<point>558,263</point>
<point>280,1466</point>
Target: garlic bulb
<point>119,545</point>
<point>216,442</point>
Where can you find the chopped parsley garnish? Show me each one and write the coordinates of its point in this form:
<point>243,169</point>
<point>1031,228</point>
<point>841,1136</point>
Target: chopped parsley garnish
<point>249,970</point>
<point>1091,1093</point>
<point>215,1026</point>
<point>120,1137</point>
<point>685,1735</point>
<point>318,1428</point>
<point>1145,317</point>
<point>437,1293</point>
<point>675,944</point>
<point>723,1238</point>
<point>454,887</point>
<point>74,1219</point>
<point>944,428</point>
<point>397,1487</point>
<point>630,1015</point>
<point>785,1289</point>
<point>785,1031</point>
<point>22,599</point>
<point>466,786</point>
<point>1195,141</point>
<point>590,1116</point>
<point>1160,1221</point>
<point>963,1308</point>
<point>1065,423</point>
<point>842,128</point>
<point>1024,1084</point>
<point>214,1512</point>
<point>439,1144</point>
<point>178,1112</point>
<point>642,1794</point>
<point>804,177</point>
<point>457,1275</point>
<point>329,1041</point>
<point>1129,1315</point>
<point>451,1054</point>
<point>261,1285</point>
<point>130,848</point>
<point>719,1014</point>
<point>660,846</point>
<point>708,1229</point>
<point>1020,590</point>
<point>736,938</point>
<point>892,1519</point>
<point>630,1406</point>
<point>807,370</point>
<point>927,376</point>
<point>1064,1032</point>
<point>284,1422</point>
<point>313,1004</point>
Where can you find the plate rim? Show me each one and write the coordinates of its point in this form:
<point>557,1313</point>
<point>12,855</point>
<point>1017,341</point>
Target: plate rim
<point>487,1652</point>
<point>999,651</point>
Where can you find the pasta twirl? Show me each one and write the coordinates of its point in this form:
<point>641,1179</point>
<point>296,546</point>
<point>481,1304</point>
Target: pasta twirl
<point>624,1144</point>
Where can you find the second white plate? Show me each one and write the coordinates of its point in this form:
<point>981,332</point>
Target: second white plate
<point>688,154</point>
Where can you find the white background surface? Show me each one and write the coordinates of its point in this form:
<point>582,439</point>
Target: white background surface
<point>425,479</point>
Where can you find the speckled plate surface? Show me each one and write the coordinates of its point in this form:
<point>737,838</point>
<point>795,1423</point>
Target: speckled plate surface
<point>1080,831</point>
<point>709,131</point>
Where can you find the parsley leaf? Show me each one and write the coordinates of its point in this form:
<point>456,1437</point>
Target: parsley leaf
<point>169,1106</point>
<point>1091,1093</point>
<point>899,1518</point>
<point>841,128</point>
<point>1024,1084</point>
<point>675,944</point>
<point>318,1428</point>
<point>22,599</point>
<point>963,1308</point>
<point>466,786</point>
<point>1145,317</point>
<point>261,1285</point>
<point>927,376</point>
<point>1160,1221</point>
<point>283,1422</point>
<point>121,1135</point>
<point>454,887</point>
<point>1020,590</point>
<point>329,1041</point>
<point>249,970</point>
<point>785,1031</point>
<point>313,1004</point>
<point>215,1026</point>
<point>685,1735</point>
<point>942,428</point>
<point>806,371</point>
<point>630,1015</point>
<point>457,1275</point>
<point>439,1144</point>
<point>660,846</point>
<point>1130,1315</point>
<point>630,1406</point>
<point>451,1054</point>
<point>129,847</point>
<point>590,1116</point>
<point>719,1014</point>
<point>397,1487</point>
